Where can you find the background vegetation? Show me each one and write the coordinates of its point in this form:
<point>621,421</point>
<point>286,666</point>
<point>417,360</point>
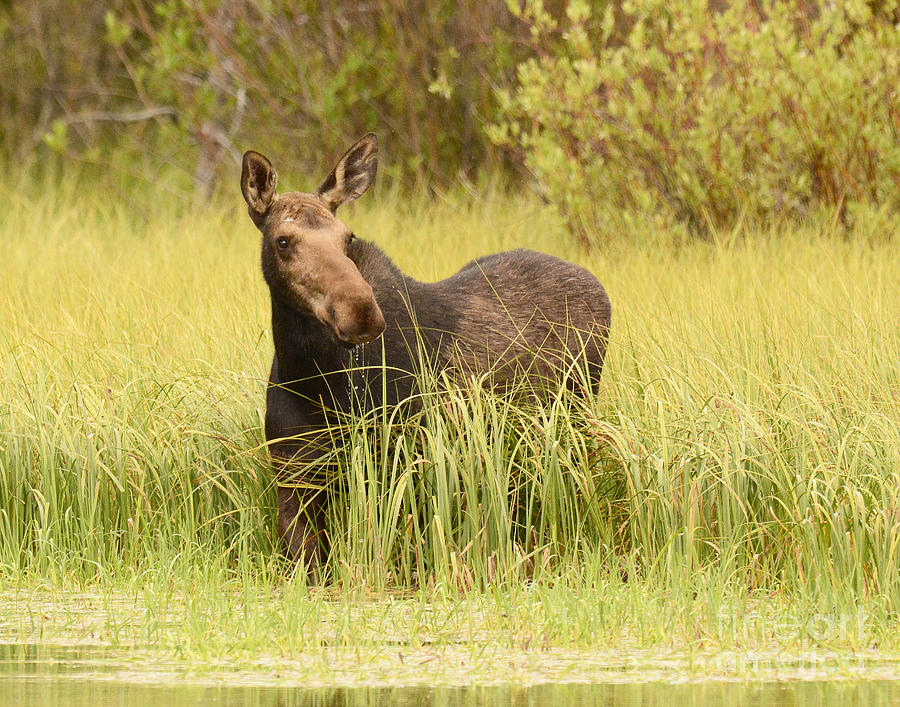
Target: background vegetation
<point>704,114</point>
<point>739,164</point>
<point>631,116</point>
<point>183,87</point>
<point>745,437</point>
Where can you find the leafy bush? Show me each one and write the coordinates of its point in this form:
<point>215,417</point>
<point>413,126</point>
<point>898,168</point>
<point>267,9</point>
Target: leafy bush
<point>191,83</point>
<point>704,113</point>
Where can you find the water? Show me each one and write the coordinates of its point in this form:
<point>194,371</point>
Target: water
<point>91,677</point>
<point>356,375</point>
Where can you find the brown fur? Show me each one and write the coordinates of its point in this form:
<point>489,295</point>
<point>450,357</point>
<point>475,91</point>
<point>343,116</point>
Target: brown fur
<point>513,315</point>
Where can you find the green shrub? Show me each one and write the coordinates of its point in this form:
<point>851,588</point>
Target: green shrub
<point>148,85</point>
<point>703,115</point>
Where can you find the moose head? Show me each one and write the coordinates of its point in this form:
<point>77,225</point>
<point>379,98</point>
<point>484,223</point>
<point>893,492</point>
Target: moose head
<point>305,247</point>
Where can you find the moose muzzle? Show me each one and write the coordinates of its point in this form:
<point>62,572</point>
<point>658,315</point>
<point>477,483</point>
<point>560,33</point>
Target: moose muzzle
<point>356,318</point>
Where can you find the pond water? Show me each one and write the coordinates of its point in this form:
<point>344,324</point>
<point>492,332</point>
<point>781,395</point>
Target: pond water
<point>77,676</point>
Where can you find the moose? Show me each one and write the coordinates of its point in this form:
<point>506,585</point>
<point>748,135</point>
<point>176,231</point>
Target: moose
<point>518,315</point>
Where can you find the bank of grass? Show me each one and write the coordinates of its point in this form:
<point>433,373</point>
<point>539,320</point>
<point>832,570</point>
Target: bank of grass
<point>733,484</point>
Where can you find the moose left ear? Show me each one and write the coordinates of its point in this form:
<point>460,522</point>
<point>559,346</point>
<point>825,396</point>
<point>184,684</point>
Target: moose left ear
<point>354,173</point>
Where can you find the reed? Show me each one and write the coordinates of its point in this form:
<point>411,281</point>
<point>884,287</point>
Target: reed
<point>744,445</point>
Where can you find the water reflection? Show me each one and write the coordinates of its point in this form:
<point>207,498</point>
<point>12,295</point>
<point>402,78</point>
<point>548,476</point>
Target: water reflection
<point>85,677</point>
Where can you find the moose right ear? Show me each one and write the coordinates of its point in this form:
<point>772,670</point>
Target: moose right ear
<point>258,180</point>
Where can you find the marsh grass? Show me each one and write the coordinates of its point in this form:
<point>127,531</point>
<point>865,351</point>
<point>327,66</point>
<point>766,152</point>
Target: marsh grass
<point>743,449</point>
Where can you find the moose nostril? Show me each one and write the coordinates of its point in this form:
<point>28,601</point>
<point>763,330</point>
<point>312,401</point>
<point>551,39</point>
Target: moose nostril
<point>371,316</point>
<point>378,322</point>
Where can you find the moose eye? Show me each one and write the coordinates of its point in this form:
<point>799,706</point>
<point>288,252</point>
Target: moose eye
<point>282,243</point>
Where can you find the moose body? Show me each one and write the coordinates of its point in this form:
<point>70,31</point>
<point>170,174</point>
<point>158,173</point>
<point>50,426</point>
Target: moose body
<point>513,315</point>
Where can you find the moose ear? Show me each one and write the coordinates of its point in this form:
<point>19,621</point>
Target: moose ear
<point>258,180</point>
<point>354,173</point>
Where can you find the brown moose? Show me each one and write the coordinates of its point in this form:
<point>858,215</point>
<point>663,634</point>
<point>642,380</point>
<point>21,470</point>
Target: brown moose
<point>519,315</point>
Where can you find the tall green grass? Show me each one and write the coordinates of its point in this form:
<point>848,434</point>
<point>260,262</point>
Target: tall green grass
<point>745,440</point>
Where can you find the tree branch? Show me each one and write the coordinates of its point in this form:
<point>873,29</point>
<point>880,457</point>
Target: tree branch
<point>134,116</point>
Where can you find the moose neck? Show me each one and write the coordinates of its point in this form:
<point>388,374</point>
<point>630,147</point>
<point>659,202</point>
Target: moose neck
<point>304,347</point>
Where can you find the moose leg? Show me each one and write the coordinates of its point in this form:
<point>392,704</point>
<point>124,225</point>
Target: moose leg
<point>301,523</point>
<point>297,436</point>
